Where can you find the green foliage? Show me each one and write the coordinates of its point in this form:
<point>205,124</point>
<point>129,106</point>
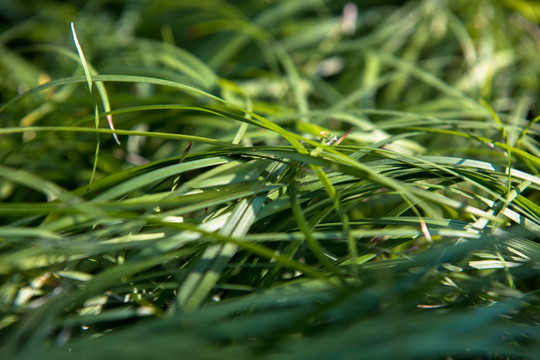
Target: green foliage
<point>236,216</point>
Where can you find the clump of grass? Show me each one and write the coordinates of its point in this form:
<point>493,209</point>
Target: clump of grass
<point>237,213</point>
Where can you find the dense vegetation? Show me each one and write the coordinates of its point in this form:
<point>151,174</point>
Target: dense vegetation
<point>299,179</point>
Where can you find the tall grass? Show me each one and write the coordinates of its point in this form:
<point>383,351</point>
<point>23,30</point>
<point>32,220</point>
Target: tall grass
<point>180,179</point>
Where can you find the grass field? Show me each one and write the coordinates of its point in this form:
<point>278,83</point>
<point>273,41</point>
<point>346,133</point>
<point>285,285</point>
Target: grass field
<point>300,179</point>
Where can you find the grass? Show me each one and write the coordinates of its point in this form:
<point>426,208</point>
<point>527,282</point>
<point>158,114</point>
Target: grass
<point>181,179</point>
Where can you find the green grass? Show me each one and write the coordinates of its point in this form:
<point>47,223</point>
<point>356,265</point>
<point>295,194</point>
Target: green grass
<point>172,183</point>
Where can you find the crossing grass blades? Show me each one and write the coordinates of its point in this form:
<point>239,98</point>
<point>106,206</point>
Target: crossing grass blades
<point>270,179</point>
